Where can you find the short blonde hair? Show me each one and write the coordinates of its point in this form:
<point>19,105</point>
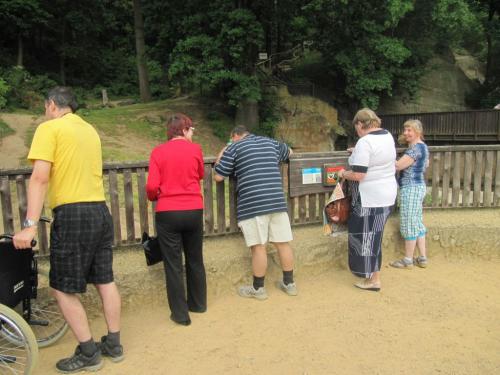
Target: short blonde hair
<point>367,118</point>
<point>414,124</point>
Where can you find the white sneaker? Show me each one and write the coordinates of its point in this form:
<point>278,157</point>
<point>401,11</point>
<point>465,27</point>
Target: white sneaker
<point>248,291</point>
<point>290,289</point>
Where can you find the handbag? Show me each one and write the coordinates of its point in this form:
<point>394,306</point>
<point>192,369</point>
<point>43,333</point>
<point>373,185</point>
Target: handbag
<point>337,208</point>
<point>151,247</point>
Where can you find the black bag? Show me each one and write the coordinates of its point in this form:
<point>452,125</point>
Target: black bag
<point>15,273</point>
<point>151,247</point>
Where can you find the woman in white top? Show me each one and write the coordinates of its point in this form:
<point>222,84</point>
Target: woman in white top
<point>374,189</point>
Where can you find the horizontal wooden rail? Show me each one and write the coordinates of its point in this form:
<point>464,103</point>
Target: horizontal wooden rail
<point>477,125</point>
<point>458,176</point>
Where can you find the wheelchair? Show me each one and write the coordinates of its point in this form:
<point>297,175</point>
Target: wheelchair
<point>29,316</point>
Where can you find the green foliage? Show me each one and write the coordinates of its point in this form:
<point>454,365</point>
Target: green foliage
<point>4,89</point>
<point>269,113</point>
<point>158,80</point>
<point>452,20</point>
<point>194,61</point>
<point>221,124</point>
<point>22,15</point>
<point>222,60</point>
<point>25,90</point>
<point>5,130</point>
<point>365,58</point>
<point>488,94</point>
<point>380,49</point>
<point>363,49</point>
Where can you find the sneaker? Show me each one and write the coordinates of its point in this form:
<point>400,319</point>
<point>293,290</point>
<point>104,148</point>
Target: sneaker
<point>248,291</point>
<point>290,289</point>
<point>114,353</point>
<point>401,263</point>
<point>80,362</point>
<point>421,262</point>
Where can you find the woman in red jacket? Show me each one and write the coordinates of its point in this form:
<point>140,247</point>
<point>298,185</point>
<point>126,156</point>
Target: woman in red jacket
<point>175,171</point>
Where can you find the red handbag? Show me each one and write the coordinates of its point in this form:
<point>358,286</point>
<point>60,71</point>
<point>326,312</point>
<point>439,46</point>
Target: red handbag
<point>337,211</point>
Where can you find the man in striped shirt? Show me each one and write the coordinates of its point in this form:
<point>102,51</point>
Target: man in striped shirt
<point>261,206</point>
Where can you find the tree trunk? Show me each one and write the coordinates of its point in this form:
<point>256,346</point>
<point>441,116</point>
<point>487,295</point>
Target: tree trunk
<point>20,52</point>
<point>489,53</point>
<point>62,57</point>
<point>278,27</point>
<point>141,53</point>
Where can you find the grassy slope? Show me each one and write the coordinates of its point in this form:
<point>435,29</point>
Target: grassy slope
<point>5,130</point>
<point>129,133</point>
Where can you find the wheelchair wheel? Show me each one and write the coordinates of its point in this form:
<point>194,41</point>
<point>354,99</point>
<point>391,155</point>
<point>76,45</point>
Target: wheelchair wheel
<point>47,322</point>
<point>19,357</point>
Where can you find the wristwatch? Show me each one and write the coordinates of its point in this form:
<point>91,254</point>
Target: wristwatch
<point>29,223</point>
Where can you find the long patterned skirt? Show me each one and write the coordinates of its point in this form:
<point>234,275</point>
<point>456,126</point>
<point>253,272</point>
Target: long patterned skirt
<point>366,228</point>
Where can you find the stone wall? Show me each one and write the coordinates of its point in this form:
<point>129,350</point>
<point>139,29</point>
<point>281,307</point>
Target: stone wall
<point>443,87</point>
<point>307,124</point>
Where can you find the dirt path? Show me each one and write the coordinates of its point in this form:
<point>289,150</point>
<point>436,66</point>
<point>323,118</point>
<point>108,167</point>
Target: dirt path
<point>13,147</point>
<point>441,320</point>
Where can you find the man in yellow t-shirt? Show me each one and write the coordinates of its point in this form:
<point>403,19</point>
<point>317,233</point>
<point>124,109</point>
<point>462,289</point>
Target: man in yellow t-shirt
<point>67,166</point>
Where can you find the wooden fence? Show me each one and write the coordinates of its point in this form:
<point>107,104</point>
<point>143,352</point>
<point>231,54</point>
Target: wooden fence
<point>469,126</point>
<point>458,176</point>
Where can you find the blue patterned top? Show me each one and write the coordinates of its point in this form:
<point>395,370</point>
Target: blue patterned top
<point>414,174</point>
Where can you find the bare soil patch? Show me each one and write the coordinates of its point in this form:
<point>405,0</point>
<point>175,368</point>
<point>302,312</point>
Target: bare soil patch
<point>439,320</point>
<point>13,147</point>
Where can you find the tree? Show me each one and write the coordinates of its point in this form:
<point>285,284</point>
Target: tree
<point>357,42</point>
<point>20,17</point>
<point>218,54</point>
<point>141,53</point>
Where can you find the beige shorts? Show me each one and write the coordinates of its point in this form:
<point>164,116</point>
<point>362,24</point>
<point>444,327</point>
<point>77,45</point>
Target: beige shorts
<point>273,227</point>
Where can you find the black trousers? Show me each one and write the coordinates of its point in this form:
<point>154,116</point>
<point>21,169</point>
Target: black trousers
<point>180,231</point>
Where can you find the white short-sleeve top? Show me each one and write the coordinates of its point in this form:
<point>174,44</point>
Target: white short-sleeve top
<point>375,155</point>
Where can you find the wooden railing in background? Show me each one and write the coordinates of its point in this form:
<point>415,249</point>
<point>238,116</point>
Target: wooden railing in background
<point>458,176</point>
<point>470,126</point>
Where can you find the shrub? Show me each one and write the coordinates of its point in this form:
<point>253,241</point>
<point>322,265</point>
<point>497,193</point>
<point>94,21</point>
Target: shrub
<point>4,130</point>
<point>25,90</point>
<point>4,89</point>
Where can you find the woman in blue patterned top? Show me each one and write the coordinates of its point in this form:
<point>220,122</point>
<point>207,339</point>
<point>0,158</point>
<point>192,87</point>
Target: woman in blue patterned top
<point>412,166</point>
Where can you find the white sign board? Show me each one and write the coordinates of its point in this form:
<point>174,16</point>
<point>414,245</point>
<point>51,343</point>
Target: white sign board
<point>311,176</point>
<point>262,55</point>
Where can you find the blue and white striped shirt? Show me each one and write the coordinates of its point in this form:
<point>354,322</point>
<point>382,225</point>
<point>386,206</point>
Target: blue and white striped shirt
<point>254,161</point>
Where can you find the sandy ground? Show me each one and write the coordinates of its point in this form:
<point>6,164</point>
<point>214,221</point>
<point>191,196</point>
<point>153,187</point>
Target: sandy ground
<point>12,147</point>
<point>439,320</point>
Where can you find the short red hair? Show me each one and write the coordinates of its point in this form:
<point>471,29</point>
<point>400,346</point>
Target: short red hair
<point>177,124</point>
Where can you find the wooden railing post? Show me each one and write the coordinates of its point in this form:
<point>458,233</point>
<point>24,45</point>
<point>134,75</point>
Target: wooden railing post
<point>143,201</point>
<point>6,199</point>
<point>208,199</point>
<point>22,198</point>
<point>129,204</point>
<point>436,166</point>
<point>115,206</point>
<point>221,206</point>
<point>233,222</point>
<point>478,170</point>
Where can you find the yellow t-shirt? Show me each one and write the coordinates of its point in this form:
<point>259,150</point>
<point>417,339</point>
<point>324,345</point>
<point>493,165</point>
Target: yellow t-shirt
<point>74,149</point>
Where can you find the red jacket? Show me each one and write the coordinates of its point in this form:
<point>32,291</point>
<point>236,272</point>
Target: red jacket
<point>175,171</point>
